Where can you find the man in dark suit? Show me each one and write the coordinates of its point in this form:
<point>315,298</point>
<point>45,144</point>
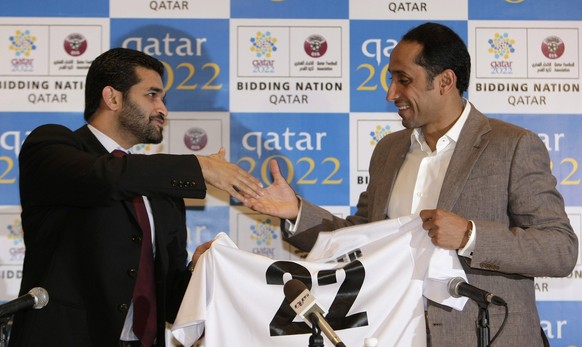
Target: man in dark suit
<point>482,187</point>
<point>81,229</point>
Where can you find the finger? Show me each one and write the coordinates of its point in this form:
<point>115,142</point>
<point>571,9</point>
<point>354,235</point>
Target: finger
<point>204,246</point>
<point>246,196</point>
<point>249,188</point>
<point>426,215</point>
<point>245,189</point>
<point>221,153</point>
<point>249,182</point>
<point>235,194</point>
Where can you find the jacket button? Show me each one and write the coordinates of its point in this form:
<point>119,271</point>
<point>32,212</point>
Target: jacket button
<point>123,308</point>
<point>132,273</point>
<point>136,238</point>
<point>174,183</point>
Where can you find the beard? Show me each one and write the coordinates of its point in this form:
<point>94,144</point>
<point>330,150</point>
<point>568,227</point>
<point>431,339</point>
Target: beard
<point>142,127</point>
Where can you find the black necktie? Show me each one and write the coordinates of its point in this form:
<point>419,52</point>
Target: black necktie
<point>144,293</point>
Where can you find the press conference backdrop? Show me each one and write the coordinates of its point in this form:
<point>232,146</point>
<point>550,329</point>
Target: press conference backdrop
<point>302,81</point>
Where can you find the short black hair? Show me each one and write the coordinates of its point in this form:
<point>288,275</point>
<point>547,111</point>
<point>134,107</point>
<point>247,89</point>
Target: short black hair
<point>442,49</point>
<point>115,68</point>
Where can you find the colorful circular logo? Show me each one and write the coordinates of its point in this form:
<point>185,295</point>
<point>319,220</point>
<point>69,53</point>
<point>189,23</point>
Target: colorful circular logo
<point>553,47</point>
<point>195,139</point>
<point>75,44</point>
<point>315,46</point>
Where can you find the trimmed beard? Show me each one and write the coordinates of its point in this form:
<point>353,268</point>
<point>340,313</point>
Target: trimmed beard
<point>135,122</point>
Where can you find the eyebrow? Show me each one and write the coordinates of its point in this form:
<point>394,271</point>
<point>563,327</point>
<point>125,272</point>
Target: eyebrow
<point>397,72</point>
<point>155,89</point>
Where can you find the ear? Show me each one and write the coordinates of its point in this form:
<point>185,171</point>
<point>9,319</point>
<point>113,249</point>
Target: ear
<point>112,98</point>
<point>448,81</point>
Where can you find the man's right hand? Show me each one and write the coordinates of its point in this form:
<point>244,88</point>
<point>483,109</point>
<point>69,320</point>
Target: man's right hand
<point>279,199</point>
<point>229,177</point>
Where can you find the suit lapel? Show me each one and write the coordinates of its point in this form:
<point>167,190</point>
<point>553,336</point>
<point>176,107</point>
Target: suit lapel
<point>471,144</point>
<point>92,145</point>
<point>90,142</point>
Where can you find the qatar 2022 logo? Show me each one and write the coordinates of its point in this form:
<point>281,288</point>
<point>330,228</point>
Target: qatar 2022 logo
<point>378,133</point>
<point>501,46</point>
<point>263,233</point>
<point>22,43</point>
<point>15,234</point>
<point>263,46</point>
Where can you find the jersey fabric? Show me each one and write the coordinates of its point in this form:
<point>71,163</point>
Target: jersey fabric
<point>370,278</point>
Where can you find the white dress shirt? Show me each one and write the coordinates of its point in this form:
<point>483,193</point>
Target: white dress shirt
<point>420,179</point>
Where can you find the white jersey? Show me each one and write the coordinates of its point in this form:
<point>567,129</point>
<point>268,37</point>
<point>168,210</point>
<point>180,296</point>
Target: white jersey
<point>371,279</point>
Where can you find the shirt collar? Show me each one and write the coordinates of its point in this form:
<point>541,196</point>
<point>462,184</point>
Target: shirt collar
<point>107,142</point>
<point>453,133</point>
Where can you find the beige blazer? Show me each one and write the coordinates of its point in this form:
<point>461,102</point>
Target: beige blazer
<point>499,177</point>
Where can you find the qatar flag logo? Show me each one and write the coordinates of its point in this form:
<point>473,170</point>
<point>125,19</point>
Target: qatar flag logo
<point>553,47</point>
<point>195,139</point>
<point>315,46</point>
<point>75,44</point>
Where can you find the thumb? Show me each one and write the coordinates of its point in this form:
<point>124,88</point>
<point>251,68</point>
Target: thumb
<point>276,172</point>
<point>221,153</point>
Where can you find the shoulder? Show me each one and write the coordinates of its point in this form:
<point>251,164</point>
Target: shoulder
<point>502,134</point>
<point>496,128</point>
<point>55,133</point>
<point>499,125</point>
<point>49,134</point>
<point>51,129</point>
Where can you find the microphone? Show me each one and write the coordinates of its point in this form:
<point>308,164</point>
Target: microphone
<point>36,298</point>
<point>458,287</point>
<point>304,304</point>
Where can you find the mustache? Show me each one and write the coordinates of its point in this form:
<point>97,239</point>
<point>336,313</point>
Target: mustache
<point>160,116</point>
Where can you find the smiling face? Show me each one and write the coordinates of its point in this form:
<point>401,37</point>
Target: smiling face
<point>143,112</point>
<point>416,98</point>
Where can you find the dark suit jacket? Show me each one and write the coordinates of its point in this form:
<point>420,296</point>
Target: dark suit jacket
<point>499,176</point>
<point>83,241</point>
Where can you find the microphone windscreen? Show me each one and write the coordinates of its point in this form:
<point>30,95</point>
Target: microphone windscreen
<point>293,289</point>
<point>454,286</point>
<point>41,297</point>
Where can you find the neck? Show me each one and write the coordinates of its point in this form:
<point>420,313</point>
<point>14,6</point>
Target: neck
<point>449,116</point>
<point>113,131</point>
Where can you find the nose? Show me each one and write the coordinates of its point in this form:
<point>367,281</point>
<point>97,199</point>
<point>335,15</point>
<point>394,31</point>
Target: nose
<point>392,93</point>
<point>163,110</point>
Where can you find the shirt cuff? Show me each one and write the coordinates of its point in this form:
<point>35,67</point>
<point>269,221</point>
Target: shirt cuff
<point>467,251</point>
<point>291,227</point>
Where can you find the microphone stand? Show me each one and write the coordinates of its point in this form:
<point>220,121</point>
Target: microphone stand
<point>3,331</point>
<point>483,325</point>
<point>315,340</point>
